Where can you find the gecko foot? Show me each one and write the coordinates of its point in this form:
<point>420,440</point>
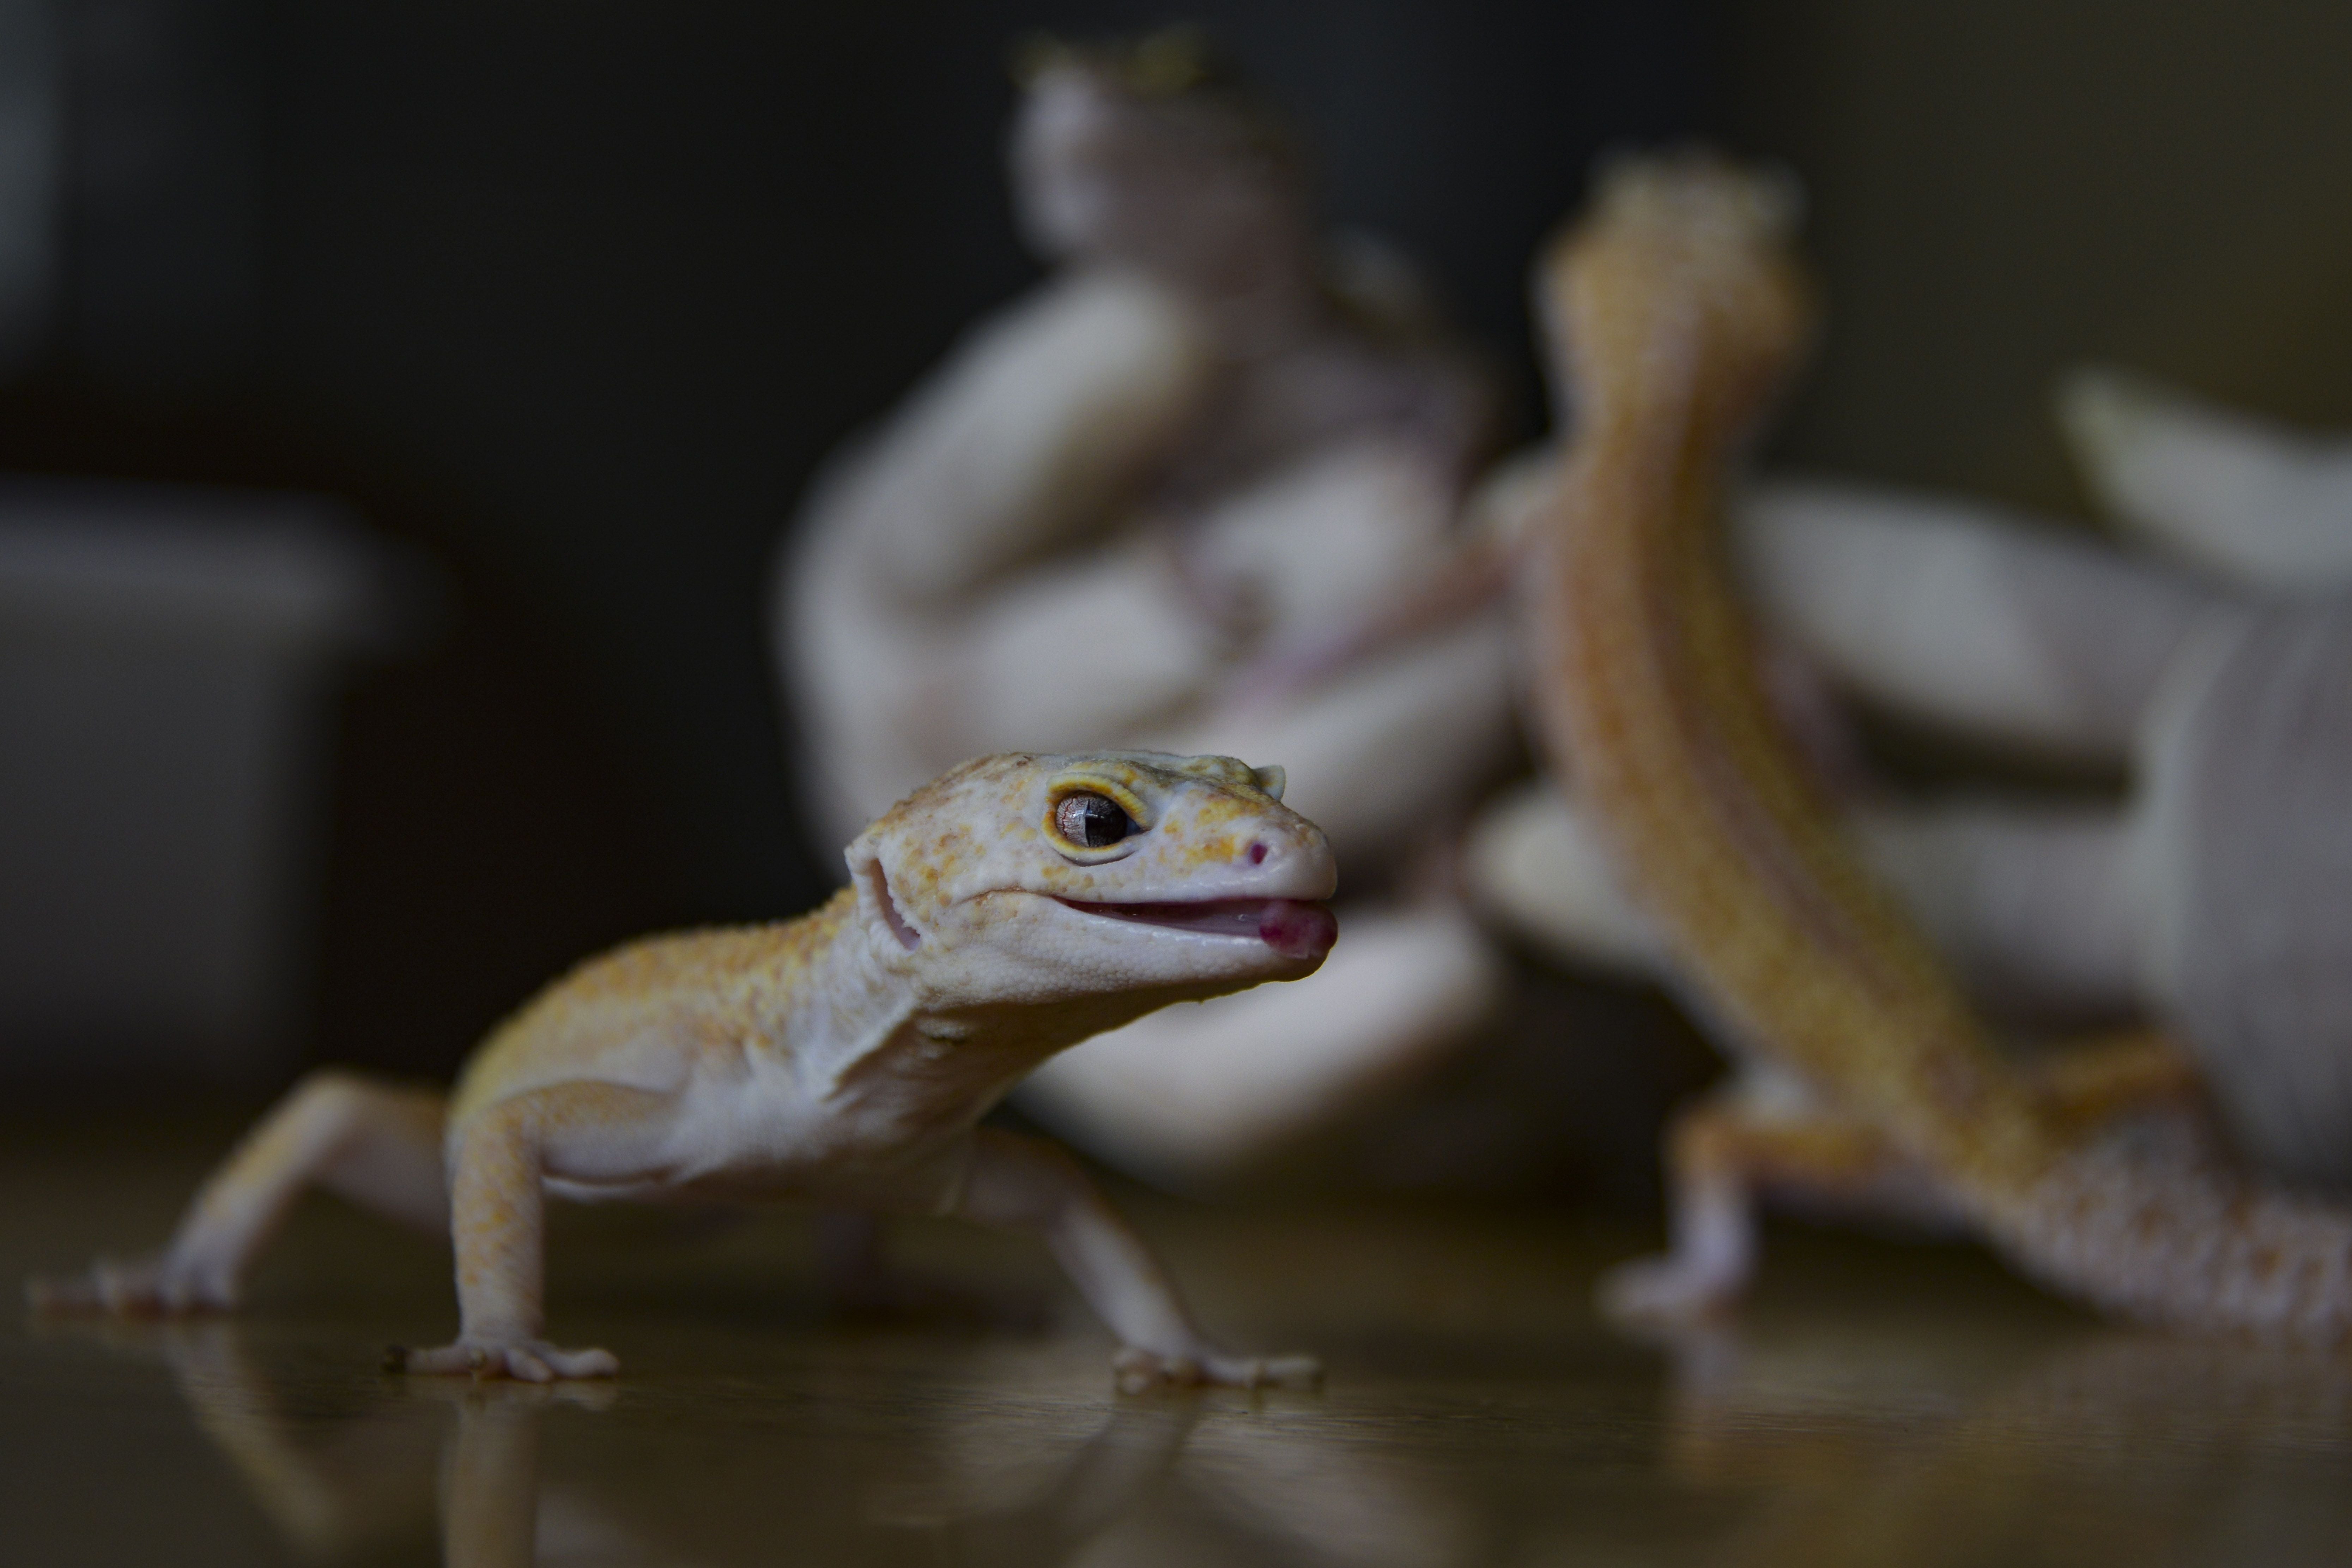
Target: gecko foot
<point>1670,1291</point>
<point>527,1361</point>
<point>1140,1371</point>
<point>140,1288</point>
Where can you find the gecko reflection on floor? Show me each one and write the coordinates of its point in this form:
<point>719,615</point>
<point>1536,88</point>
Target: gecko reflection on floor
<point>1877,1404</point>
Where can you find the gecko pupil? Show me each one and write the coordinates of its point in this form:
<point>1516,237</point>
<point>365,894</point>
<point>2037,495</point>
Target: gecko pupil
<point>1093,821</point>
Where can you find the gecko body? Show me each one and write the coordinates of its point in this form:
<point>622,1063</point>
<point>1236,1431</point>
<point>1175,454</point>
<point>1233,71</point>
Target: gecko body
<point>1676,312</point>
<point>1010,909</point>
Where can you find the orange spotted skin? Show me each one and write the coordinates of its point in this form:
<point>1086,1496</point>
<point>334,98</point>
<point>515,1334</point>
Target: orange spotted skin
<point>712,992</point>
<point>1676,312</point>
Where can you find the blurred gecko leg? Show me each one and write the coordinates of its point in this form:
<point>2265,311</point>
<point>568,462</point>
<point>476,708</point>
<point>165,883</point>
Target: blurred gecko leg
<point>1721,1155</point>
<point>2129,1073</point>
<point>375,1143</point>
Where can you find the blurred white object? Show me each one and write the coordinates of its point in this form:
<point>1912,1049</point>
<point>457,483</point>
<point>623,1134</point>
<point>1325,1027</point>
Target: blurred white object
<point>1189,495</point>
<point>166,664</point>
<point>2244,499</point>
<point>1156,1097</point>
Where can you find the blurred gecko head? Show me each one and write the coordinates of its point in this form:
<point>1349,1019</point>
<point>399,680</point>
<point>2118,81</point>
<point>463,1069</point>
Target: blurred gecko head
<point>1132,877</point>
<point>1151,155</point>
<point>1685,246</point>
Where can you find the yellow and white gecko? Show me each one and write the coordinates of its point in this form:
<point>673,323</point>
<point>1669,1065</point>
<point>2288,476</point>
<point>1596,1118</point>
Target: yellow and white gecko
<point>1008,910</point>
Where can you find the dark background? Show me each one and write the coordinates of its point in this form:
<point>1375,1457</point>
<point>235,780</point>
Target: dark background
<point>574,296</point>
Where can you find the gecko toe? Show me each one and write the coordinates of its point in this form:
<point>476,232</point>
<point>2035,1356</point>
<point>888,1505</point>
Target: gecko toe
<point>1663,1291</point>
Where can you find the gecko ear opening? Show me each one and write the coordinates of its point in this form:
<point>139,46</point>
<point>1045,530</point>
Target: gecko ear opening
<point>878,885</point>
<point>1271,778</point>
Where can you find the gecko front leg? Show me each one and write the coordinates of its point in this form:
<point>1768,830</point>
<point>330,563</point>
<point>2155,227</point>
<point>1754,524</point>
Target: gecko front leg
<point>497,1222</point>
<point>1021,1184</point>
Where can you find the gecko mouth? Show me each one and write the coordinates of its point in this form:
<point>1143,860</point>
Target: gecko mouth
<point>1294,928</point>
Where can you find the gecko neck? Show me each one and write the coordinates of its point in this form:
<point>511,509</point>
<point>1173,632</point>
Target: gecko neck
<point>874,1025</point>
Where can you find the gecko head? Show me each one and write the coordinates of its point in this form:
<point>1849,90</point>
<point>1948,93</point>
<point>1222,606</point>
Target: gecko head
<point>1153,155</point>
<point>1132,875</point>
<point>1687,243</point>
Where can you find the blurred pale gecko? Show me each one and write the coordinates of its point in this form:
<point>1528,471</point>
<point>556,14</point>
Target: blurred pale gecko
<point>1011,908</point>
<point>1675,312</point>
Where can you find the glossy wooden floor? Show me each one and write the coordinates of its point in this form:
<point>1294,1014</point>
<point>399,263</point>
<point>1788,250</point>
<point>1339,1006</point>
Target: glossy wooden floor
<point>1880,1404</point>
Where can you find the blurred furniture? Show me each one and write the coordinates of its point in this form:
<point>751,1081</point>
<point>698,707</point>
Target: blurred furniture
<point>167,658</point>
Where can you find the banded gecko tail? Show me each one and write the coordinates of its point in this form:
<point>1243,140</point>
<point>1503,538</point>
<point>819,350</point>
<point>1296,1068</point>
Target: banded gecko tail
<point>1676,312</point>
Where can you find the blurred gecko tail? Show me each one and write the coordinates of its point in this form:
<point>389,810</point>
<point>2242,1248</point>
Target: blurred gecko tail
<point>2182,1245</point>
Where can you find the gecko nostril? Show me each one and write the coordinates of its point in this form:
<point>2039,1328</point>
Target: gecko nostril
<point>1258,854</point>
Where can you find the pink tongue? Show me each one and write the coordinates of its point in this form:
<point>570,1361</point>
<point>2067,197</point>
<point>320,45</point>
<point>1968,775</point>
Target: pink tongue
<point>1297,929</point>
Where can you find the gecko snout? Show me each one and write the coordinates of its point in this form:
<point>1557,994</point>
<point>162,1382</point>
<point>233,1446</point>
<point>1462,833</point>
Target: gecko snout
<point>1284,858</point>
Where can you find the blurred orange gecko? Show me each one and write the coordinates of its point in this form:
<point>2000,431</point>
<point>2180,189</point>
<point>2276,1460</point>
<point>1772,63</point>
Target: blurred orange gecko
<point>1675,310</point>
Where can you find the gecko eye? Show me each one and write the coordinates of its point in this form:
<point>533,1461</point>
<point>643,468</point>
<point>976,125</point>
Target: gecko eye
<point>1091,821</point>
